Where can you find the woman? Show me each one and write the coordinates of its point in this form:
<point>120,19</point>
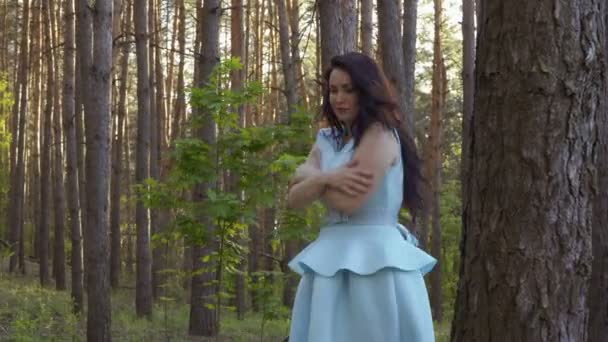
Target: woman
<point>362,277</point>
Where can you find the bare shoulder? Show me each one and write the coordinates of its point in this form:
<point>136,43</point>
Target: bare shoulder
<point>379,136</point>
<point>378,146</point>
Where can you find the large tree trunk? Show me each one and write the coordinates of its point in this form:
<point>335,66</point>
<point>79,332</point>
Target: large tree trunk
<point>97,131</point>
<point>528,229</point>
<point>468,67</point>
<point>69,122</point>
<point>349,25</point>
<point>204,319</point>
<point>143,293</point>
<point>598,287</point>
<point>331,31</point>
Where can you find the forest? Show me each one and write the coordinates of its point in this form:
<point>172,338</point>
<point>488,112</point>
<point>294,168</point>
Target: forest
<point>146,150</point>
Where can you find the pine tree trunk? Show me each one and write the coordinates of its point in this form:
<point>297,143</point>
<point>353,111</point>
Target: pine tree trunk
<point>437,109</point>
<point>97,130</point>
<point>389,33</point>
<point>117,171</point>
<point>349,25</point>
<point>528,229</point>
<point>15,219</point>
<point>180,102</point>
<point>331,31</point>
<point>46,180</point>
<point>84,86</point>
<point>598,287</point>
<point>156,256</point>
<point>57,169</point>
<point>143,294</point>
<point>35,105</point>
<point>367,28</point>
<point>468,62</point>
<point>69,124</point>
<point>204,320</point>
<point>236,46</point>
<point>410,16</point>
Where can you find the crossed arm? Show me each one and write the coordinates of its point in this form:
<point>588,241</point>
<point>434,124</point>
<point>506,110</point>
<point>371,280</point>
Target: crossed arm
<point>347,188</point>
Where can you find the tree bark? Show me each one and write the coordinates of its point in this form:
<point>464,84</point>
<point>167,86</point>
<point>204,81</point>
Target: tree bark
<point>435,137</point>
<point>528,229</point>
<point>349,25</point>
<point>598,287</point>
<point>204,319</point>
<point>332,42</point>
<point>367,28</point>
<point>97,131</point>
<point>410,17</point>
<point>237,81</point>
<point>69,110</point>
<point>46,180</point>
<point>143,294</point>
<point>15,219</point>
<point>389,32</point>
<point>117,174</point>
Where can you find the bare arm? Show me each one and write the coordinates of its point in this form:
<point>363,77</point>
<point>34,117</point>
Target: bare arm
<point>308,183</point>
<point>375,154</point>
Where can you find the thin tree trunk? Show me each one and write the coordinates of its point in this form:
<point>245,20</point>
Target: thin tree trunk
<point>15,219</point>
<point>84,86</point>
<point>69,110</point>
<point>156,256</point>
<point>130,213</point>
<point>97,127</point>
<point>527,250</point>
<point>437,108</point>
<point>180,103</point>
<point>46,181</point>
<point>143,293</point>
<point>59,189</point>
<point>35,105</point>
<point>115,214</point>
<point>204,321</point>
<point>410,17</point>
<point>236,81</point>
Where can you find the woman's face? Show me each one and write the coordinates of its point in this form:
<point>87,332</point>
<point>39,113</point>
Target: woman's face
<point>343,97</point>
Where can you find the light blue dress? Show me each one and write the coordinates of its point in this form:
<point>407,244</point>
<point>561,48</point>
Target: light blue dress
<point>362,278</point>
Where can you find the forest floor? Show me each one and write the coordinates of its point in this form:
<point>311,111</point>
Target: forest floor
<point>31,313</point>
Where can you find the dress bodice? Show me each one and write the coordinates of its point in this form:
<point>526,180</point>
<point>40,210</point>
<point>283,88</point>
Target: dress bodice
<point>384,204</point>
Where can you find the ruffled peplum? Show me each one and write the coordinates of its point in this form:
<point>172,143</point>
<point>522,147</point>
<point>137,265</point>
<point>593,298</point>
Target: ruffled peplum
<point>362,249</point>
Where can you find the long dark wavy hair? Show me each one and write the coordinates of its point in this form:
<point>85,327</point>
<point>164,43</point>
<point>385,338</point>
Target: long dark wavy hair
<point>377,104</point>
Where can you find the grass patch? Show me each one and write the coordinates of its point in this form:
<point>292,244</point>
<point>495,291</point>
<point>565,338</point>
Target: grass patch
<point>31,313</point>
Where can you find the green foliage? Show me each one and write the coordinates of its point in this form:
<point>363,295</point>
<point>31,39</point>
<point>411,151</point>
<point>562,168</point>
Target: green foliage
<point>259,159</point>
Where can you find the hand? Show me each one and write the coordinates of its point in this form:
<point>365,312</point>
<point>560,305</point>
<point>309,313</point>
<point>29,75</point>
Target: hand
<point>350,179</point>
